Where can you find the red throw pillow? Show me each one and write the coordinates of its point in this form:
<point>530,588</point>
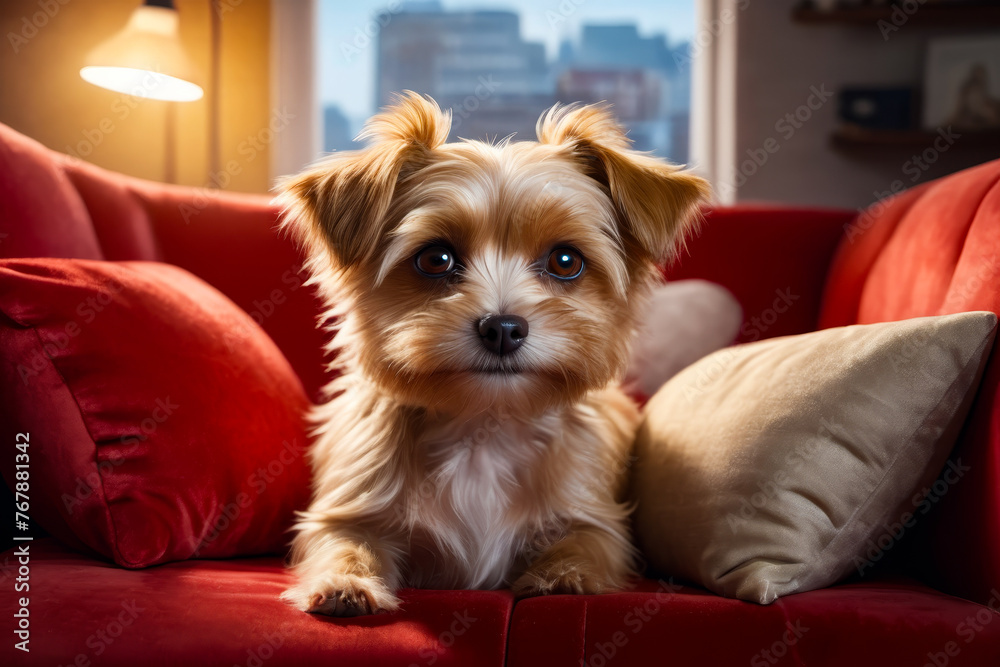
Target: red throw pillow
<point>162,422</point>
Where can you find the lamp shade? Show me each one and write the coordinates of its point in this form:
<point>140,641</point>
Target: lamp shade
<point>145,59</point>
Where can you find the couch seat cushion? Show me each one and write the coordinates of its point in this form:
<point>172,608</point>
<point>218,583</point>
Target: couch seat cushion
<point>227,612</point>
<point>870,624</point>
<point>199,612</point>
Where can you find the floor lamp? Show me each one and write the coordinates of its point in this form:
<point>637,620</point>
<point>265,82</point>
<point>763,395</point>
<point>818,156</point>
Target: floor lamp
<point>145,59</point>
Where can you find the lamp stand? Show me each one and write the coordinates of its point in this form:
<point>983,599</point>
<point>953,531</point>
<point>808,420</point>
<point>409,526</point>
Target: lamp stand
<point>214,158</point>
<point>170,147</point>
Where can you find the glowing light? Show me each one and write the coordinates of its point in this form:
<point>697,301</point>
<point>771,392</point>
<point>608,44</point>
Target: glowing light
<point>142,83</point>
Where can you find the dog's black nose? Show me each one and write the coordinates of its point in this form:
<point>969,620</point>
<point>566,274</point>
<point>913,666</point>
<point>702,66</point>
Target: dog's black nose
<point>502,334</point>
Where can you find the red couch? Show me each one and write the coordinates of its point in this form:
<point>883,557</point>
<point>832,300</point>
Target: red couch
<point>933,600</point>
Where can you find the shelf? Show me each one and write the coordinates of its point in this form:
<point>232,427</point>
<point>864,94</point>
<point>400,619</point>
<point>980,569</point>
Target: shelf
<point>928,14</point>
<point>850,137</point>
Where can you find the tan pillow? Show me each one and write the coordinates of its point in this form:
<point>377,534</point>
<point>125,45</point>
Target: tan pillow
<point>770,468</point>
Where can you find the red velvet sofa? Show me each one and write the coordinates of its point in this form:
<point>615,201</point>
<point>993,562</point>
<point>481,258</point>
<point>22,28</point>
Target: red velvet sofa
<point>933,600</point>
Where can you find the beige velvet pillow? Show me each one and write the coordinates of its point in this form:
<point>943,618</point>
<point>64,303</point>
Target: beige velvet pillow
<point>770,468</point>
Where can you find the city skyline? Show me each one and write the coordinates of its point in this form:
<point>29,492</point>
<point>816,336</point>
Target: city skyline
<point>479,64</point>
<point>347,53</point>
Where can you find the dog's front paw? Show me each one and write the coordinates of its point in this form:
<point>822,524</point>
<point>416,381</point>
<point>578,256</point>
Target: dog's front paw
<point>556,578</point>
<point>343,595</point>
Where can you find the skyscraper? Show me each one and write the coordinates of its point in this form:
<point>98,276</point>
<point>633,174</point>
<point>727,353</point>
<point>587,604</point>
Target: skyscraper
<point>337,135</point>
<point>647,81</point>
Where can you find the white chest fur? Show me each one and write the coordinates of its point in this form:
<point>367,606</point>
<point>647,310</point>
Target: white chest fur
<point>469,515</point>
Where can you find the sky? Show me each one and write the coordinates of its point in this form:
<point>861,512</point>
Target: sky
<point>347,62</point>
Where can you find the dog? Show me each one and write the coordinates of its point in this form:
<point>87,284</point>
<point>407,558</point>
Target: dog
<point>483,296</point>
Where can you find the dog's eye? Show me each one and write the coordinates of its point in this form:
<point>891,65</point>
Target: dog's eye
<point>564,264</point>
<point>435,261</point>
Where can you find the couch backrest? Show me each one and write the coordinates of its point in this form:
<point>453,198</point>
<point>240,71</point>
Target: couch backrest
<point>934,250</point>
<point>52,205</point>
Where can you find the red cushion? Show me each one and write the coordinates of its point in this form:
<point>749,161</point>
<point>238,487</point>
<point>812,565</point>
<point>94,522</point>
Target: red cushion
<point>211,613</point>
<point>931,251</point>
<point>163,422</point>
<point>874,624</point>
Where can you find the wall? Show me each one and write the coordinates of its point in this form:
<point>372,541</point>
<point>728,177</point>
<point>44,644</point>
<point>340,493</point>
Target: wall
<point>45,98</point>
<point>778,65</point>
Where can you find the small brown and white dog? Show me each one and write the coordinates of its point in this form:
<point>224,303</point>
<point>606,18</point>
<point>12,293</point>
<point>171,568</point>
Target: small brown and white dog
<point>484,295</point>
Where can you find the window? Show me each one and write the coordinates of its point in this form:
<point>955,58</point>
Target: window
<point>498,69</point>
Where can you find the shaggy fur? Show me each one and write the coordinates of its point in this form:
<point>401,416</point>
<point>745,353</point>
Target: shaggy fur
<point>438,463</point>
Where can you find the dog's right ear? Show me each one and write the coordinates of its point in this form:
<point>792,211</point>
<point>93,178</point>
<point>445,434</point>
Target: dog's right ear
<point>341,203</point>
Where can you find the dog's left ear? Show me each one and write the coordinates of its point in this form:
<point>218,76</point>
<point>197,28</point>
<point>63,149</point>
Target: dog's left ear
<point>656,201</point>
